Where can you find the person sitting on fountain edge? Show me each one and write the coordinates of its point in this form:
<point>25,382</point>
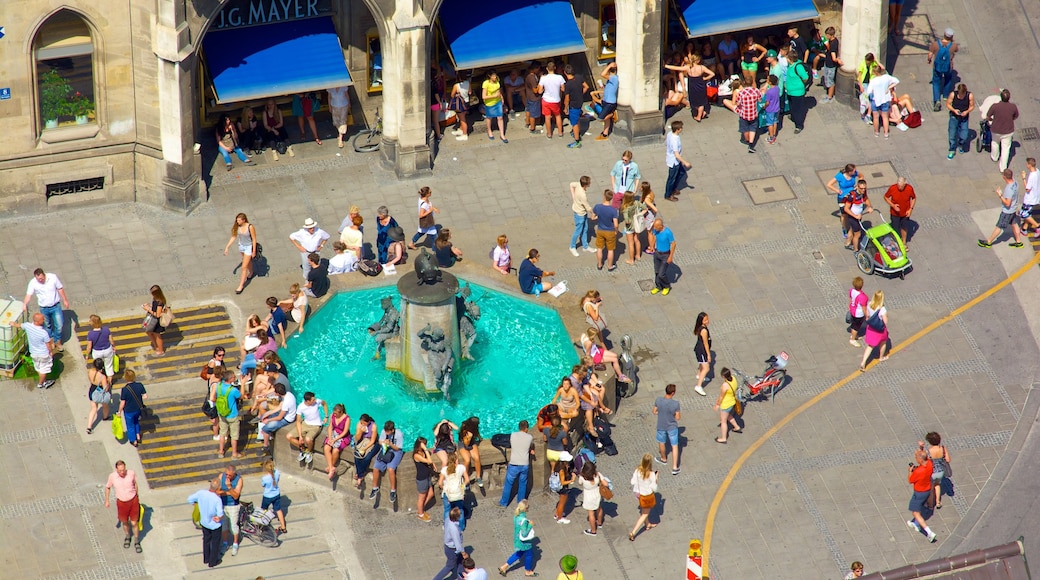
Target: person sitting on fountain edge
<point>530,275</point>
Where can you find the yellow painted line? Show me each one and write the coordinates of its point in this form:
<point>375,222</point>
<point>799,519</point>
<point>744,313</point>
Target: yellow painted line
<point>200,454</point>
<point>709,524</point>
<point>122,345</point>
<point>135,329</point>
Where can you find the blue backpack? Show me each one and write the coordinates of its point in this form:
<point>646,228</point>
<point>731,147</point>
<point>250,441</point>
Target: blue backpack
<point>943,57</point>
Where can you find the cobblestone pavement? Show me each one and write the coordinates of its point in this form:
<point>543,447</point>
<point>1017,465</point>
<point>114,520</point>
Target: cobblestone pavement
<point>829,488</point>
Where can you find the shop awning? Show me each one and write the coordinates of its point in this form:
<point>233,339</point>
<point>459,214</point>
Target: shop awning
<point>482,34</point>
<point>707,17</point>
<point>274,59</point>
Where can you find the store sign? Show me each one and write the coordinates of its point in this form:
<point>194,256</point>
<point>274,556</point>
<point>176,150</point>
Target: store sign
<point>253,12</point>
<point>5,94</point>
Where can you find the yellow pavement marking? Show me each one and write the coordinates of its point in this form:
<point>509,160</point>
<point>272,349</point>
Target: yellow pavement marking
<point>713,510</point>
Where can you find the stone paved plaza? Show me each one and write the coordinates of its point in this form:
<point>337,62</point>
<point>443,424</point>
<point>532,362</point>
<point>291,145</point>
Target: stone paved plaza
<point>826,489</point>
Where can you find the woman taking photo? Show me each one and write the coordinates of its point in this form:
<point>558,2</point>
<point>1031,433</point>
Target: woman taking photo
<point>444,440</point>
<point>424,471</point>
<point>459,102</point>
<point>338,438</point>
<point>152,325</point>
<point>100,393</point>
<point>469,448</point>
<point>644,485</point>
<point>244,233</point>
<point>590,305</point>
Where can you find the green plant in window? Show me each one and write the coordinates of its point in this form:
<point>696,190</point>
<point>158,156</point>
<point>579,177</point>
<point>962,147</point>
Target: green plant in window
<point>54,95</point>
<point>80,106</point>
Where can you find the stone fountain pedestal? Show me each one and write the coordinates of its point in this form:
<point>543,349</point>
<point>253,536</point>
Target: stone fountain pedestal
<point>423,304</point>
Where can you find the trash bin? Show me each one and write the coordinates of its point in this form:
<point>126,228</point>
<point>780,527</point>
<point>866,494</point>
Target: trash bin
<point>12,340</point>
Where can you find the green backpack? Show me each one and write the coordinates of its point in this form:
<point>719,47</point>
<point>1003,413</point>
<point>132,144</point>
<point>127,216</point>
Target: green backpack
<point>223,406</point>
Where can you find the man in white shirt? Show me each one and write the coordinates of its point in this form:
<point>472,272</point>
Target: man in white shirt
<point>50,297</point>
<point>880,92</point>
<point>339,104</point>
<point>311,416</point>
<point>550,86</point>
<point>39,348</point>
<point>272,421</point>
<point>677,166</point>
<point>309,238</point>
<point>1031,198</point>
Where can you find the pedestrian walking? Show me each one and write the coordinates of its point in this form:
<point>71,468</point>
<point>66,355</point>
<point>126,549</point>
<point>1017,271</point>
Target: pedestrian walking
<point>856,569</point>
<point>211,515</point>
<point>667,409</point>
<point>677,166</point>
<point>901,200</point>
<point>100,394</point>
<point>857,204</point>
<point>746,107</point>
<point>128,504</point>
<point>521,451</point>
<point>876,329</point>
<point>131,404</point>
<point>453,481</point>
<point>272,496</point>
<point>592,498</point>
<point>308,239</point>
<point>50,298</point>
<point>1031,198</point>
<point>427,222</point>
<point>40,348</point>
<point>921,479</point>
<point>100,344</point>
<point>644,486</point>
<point>230,491</point>
<point>857,311</point>
<point>454,548</point>
<point>1001,117</point>
<point>523,535</point>
<point>606,216</point>
<point>702,350</point>
<point>662,240</point>
<point>960,103</point>
<point>339,106</point>
<point>941,468</point>
<point>569,569</point>
<point>491,96</point>
<point>153,321</point>
<point>940,55</point>
<point>303,106</point>
<point>1008,212</point>
<point>726,404</point>
<point>796,83</point>
<point>582,214</point>
<point>624,175</point>
<point>842,185</point>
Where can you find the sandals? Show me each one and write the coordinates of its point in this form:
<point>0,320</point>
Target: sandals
<point>631,537</point>
<point>89,430</point>
<point>650,526</point>
<point>137,547</point>
<point>723,441</point>
<point>126,542</point>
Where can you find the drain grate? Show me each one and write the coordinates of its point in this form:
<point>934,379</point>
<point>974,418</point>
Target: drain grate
<point>1028,134</point>
<point>769,190</point>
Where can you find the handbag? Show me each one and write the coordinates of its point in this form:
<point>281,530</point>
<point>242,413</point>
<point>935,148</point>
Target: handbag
<point>738,407</point>
<point>458,104</point>
<point>427,221</point>
<point>146,411</point>
<point>526,537</point>
<point>208,409</point>
<point>848,318</point>
<point>166,318</point>
<point>117,427</point>
<point>385,455</point>
<point>362,448</point>
<point>875,322</point>
<point>604,490</point>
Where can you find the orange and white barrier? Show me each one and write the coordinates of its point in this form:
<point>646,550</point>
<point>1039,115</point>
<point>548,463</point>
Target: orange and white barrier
<point>693,560</point>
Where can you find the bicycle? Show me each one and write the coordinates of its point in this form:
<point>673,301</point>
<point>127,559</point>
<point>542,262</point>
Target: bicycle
<point>772,379</point>
<point>256,525</point>
<point>371,139</point>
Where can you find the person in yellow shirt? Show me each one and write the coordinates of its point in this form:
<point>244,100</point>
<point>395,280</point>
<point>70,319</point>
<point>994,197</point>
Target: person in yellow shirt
<point>569,569</point>
<point>491,93</point>
<point>725,405</point>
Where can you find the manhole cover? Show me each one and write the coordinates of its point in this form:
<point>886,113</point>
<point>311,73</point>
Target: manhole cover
<point>1028,134</point>
<point>878,175</point>
<point>646,285</point>
<point>769,190</point>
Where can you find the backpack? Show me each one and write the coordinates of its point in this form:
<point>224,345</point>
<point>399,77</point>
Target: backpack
<point>453,486</point>
<point>223,405</point>
<point>615,202</point>
<point>370,267</point>
<point>555,485</point>
<point>809,79</point>
<point>913,120</point>
<point>943,58</point>
<point>584,454</point>
<point>281,147</point>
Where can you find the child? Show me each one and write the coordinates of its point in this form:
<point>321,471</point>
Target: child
<point>771,111</point>
<point>563,470</point>
<point>857,310</point>
<point>272,492</point>
<point>500,259</point>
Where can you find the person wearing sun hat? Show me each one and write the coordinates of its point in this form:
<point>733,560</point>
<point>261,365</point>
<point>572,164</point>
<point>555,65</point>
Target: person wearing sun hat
<point>569,569</point>
<point>309,238</point>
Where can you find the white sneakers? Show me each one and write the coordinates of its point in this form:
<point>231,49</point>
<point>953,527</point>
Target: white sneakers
<point>563,521</point>
<point>700,391</point>
<point>574,251</point>
<point>462,138</point>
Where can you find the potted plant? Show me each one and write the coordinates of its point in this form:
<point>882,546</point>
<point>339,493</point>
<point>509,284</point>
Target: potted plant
<point>54,92</point>
<point>80,107</point>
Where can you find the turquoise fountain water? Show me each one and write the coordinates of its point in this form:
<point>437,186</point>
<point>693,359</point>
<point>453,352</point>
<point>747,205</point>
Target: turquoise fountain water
<point>522,352</point>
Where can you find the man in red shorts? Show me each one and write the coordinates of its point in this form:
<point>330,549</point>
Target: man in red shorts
<point>550,86</point>
<point>128,505</point>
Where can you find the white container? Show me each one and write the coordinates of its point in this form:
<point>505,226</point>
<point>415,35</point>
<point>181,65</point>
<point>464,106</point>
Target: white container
<point>12,340</point>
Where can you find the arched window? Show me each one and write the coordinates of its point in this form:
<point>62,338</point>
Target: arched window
<point>64,54</point>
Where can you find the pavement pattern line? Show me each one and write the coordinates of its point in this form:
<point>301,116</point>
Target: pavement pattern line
<point>131,570</point>
<point>739,463</point>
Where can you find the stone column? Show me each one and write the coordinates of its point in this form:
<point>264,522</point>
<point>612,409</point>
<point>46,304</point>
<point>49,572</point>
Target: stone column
<point>406,100</point>
<point>640,25</point>
<point>180,179</point>
<point>864,28</point>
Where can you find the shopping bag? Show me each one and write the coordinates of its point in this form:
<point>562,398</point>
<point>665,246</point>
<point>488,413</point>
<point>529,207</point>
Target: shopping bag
<point>115,363</point>
<point>117,427</point>
<point>140,518</point>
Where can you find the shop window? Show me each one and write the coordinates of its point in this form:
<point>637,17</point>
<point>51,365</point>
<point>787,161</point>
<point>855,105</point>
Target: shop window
<point>64,55</point>
<point>375,62</point>
<point>607,30</point>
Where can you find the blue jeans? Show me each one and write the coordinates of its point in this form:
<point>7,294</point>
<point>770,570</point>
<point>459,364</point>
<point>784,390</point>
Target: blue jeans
<point>675,173</point>
<point>227,155</point>
<point>581,231</point>
<point>132,423</point>
<point>54,320</point>
<point>512,473</point>
<point>527,555</point>
<point>958,132</point>
<point>941,84</point>
<point>461,504</point>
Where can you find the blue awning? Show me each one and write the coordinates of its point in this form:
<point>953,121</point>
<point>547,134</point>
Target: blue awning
<point>275,59</point>
<point>490,32</point>
<point>707,17</point>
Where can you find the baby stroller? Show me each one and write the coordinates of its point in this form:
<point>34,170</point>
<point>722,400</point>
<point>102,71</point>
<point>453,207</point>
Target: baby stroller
<point>882,250</point>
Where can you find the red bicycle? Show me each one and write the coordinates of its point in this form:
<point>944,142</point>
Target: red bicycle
<point>771,380</point>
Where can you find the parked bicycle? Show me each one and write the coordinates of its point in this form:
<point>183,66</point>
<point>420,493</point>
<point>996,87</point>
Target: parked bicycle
<point>255,524</point>
<point>771,380</point>
<point>368,140</point>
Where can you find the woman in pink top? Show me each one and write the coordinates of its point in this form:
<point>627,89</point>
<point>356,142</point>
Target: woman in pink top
<point>857,310</point>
